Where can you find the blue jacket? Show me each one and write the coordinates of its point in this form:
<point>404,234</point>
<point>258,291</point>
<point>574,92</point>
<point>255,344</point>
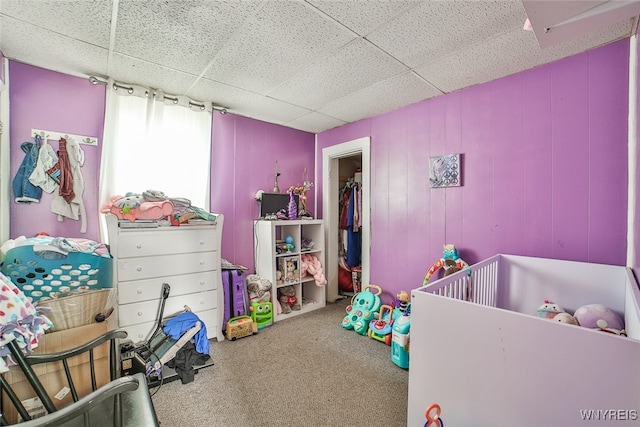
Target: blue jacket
<point>23,190</point>
<point>176,326</point>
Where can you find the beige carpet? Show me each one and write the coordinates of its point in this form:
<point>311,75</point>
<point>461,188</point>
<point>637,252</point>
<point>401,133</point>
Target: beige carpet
<point>303,371</point>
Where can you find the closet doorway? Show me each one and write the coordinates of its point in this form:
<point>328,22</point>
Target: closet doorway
<point>357,149</point>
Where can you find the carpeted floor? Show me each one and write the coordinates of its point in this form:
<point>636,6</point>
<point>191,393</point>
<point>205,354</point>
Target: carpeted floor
<point>306,370</point>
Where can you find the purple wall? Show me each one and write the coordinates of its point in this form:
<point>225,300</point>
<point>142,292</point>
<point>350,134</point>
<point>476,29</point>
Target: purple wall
<point>544,169</point>
<point>243,162</point>
<point>243,157</point>
<point>43,99</point>
<point>544,163</point>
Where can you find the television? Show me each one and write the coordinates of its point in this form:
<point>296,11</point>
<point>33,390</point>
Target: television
<point>271,203</point>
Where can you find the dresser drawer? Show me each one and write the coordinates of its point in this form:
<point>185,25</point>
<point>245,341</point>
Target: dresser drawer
<point>147,311</point>
<point>151,289</point>
<point>165,265</point>
<point>143,331</point>
<point>176,240</point>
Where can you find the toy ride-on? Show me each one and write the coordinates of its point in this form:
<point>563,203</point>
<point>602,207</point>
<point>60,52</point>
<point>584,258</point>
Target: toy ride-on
<point>381,325</point>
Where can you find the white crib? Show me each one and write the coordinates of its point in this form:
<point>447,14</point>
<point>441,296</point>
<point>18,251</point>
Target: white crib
<point>479,351</point>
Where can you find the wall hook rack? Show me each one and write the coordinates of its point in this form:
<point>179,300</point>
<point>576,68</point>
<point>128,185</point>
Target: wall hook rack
<point>81,139</point>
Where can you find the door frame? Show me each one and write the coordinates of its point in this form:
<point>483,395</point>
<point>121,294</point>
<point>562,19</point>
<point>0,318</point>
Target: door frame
<point>330,208</point>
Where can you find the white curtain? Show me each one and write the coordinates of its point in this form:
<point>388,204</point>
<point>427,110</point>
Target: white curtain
<point>154,142</point>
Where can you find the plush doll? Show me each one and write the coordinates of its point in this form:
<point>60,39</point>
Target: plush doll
<point>565,317</point>
<point>549,310</point>
<point>600,317</point>
<point>258,288</point>
<point>450,261</point>
<point>292,273</point>
<point>287,299</point>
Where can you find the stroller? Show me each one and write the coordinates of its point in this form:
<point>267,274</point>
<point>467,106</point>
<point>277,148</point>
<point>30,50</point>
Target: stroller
<point>150,356</point>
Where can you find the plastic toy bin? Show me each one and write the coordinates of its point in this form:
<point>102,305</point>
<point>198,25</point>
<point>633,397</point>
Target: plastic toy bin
<point>44,272</point>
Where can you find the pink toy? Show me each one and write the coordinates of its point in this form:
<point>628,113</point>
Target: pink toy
<point>598,316</point>
<point>312,265</point>
<point>134,207</point>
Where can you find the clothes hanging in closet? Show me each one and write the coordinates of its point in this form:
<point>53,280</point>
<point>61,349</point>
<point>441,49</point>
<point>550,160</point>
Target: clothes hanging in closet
<point>350,222</point>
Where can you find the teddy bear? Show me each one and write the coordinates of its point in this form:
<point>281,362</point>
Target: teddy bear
<point>258,288</point>
<point>287,299</point>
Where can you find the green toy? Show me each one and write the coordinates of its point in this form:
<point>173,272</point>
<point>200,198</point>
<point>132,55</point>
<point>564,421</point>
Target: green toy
<point>262,313</point>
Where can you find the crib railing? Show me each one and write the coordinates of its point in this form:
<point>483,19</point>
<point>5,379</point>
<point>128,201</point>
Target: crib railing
<point>477,284</point>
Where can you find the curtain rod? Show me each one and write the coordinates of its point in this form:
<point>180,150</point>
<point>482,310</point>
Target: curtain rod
<point>95,81</point>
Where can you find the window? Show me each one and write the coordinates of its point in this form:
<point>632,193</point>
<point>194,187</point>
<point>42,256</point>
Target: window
<point>155,142</point>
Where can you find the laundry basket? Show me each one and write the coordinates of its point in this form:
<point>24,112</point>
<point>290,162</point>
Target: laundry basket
<point>44,271</point>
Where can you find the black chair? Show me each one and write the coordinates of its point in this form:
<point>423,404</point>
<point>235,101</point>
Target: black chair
<point>124,401</point>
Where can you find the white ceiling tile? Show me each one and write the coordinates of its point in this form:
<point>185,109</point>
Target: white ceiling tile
<point>247,103</point>
<point>282,39</point>
<point>77,19</point>
<point>436,28</point>
<point>356,66</point>
<point>36,46</point>
<point>363,16</point>
<point>136,71</point>
<point>184,35</point>
<point>320,63</point>
<point>314,122</point>
<point>384,96</point>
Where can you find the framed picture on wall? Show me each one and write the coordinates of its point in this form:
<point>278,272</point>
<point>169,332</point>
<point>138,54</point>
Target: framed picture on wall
<point>445,171</point>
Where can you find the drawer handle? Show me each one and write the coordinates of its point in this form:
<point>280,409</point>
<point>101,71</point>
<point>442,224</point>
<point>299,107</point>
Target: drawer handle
<point>139,246</point>
<point>139,291</point>
<point>202,242</point>
<point>139,313</point>
<point>139,268</point>
<point>201,262</point>
<point>140,336</point>
<point>202,283</point>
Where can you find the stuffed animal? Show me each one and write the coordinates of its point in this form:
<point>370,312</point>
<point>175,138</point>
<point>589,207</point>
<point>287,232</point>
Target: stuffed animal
<point>565,317</point>
<point>450,261</point>
<point>549,310</point>
<point>287,299</point>
<point>291,275</point>
<point>258,288</point>
<point>311,264</point>
<point>600,317</point>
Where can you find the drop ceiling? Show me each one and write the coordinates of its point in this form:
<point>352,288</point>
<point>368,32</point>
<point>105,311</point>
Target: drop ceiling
<point>311,65</point>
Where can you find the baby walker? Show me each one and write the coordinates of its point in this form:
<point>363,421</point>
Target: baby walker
<point>380,326</point>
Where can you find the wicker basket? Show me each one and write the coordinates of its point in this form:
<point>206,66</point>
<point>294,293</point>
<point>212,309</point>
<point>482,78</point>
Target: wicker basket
<point>43,271</point>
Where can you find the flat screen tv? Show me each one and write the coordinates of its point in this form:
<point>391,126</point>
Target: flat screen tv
<point>272,202</point>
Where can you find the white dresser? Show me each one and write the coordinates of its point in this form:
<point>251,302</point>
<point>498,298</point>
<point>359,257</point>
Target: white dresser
<point>186,257</point>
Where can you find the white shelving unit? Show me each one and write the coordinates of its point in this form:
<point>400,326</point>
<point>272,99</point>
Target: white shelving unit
<point>269,237</point>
